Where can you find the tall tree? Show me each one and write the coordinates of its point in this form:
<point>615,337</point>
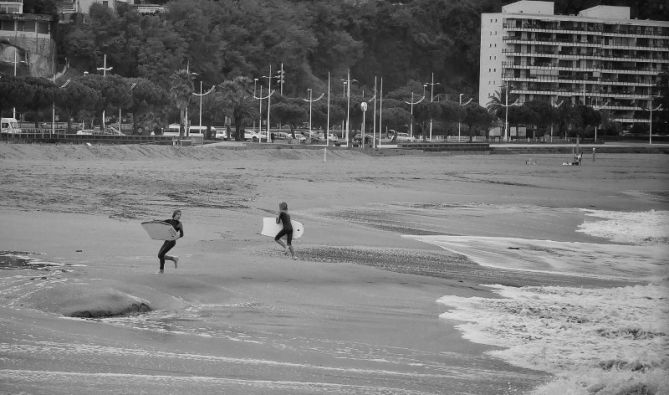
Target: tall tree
<point>181,91</point>
<point>235,98</point>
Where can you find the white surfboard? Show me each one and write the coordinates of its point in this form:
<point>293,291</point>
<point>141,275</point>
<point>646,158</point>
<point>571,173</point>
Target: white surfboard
<point>160,230</point>
<point>271,228</point>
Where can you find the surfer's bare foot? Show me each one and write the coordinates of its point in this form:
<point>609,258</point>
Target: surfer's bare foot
<point>176,260</point>
<point>294,257</point>
<point>285,252</point>
<point>160,271</point>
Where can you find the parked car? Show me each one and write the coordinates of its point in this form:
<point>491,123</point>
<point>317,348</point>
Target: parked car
<point>403,138</point>
<point>252,135</point>
<point>85,132</point>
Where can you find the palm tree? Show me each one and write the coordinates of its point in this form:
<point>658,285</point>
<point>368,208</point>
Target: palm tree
<point>499,101</point>
<point>236,101</point>
<point>181,90</point>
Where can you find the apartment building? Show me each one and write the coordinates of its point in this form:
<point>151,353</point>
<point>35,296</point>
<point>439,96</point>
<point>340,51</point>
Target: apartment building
<point>600,57</point>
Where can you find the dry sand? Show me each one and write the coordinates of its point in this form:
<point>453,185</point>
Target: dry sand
<point>356,313</point>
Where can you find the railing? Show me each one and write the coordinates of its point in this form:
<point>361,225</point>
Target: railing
<point>46,137</point>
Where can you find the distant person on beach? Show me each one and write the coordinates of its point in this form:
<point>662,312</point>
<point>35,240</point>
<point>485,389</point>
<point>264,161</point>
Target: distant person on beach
<point>169,244</point>
<point>287,230</point>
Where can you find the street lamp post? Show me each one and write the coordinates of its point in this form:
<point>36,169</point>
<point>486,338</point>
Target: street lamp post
<point>432,84</point>
<point>459,120</point>
<point>363,107</point>
<point>104,70</point>
<point>310,101</point>
<point>201,95</point>
<point>16,62</point>
<point>650,125</point>
<point>411,104</point>
<point>270,92</point>
<point>597,108</point>
<point>556,106</point>
<point>506,106</point>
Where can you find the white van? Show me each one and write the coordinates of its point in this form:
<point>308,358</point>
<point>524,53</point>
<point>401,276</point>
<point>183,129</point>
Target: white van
<point>10,126</point>
<point>173,130</point>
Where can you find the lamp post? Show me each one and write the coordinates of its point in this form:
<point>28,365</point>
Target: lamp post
<point>363,107</point>
<point>380,109</point>
<point>650,125</point>
<point>270,92</point>
<point>16,62</point>
<point>459,120</point>
<point>310,101</point>
<point>597,108</point>
<point>201,95</point>
<point>411,104</point>
<point>327,119</point>
<point>556,106</point>
<point>255,82</point>
<point>432,84</point>
<point>506,108</point>
<point>104,70</point>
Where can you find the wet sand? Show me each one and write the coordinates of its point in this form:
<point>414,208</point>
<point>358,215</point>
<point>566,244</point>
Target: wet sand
<point>356,313</point>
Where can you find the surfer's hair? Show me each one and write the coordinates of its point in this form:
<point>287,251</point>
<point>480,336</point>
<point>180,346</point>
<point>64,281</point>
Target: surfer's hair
<point>283,206</point>
<point>174,214</point>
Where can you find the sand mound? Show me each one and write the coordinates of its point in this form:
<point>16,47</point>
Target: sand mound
<point>85,301</point>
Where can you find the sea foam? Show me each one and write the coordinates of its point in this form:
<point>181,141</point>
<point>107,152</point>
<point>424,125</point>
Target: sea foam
<point>593,340</point>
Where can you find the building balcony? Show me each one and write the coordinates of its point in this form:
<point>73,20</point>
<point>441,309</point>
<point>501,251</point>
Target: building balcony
<point>581,44</point>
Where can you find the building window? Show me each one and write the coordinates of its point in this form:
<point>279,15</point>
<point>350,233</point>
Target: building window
<point>7,25</point>
<point>43,27</point>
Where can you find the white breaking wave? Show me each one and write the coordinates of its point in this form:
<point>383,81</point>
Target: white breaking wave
<point>611,339</point>
<point>644,228</point>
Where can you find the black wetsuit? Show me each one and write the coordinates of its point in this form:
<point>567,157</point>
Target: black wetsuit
<point>169,244</point>
<point>287,230</point>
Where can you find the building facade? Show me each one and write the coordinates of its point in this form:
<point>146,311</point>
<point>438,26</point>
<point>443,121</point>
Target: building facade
<point>600,57</point>
<point>27,47</point>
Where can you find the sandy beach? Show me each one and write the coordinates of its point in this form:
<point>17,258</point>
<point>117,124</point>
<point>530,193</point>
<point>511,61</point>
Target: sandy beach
<point>390,241</point>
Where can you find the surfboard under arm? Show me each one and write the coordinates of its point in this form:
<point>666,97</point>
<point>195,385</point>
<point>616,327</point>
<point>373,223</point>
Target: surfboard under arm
<point>270,228</point>
<point>160,230</point>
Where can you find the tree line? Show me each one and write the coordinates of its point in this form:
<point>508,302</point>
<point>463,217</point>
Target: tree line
<point>231,44</point>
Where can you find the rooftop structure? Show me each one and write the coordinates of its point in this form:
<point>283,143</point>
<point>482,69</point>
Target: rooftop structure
<point>600,57</point>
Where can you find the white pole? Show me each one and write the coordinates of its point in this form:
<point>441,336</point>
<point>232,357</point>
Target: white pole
<point>269,95</point>
<point>431,100</point>
<point>380,109</point>
<point>411,119</point>
<point>650,125</point>
<point>310,101</point>
<point>327,121</point>
<point>201,106</point>
<point>506,108</point>
<point>348,104</point>
<point>459,116</point>
<point>374,122</point>
<point>260,116</point>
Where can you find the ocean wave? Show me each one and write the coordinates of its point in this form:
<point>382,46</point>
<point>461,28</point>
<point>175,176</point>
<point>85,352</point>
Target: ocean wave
<point>610,333</point>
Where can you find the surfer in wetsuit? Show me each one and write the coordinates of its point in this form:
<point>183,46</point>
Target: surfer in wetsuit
<point>284,218</point>
<point>169,244</point>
